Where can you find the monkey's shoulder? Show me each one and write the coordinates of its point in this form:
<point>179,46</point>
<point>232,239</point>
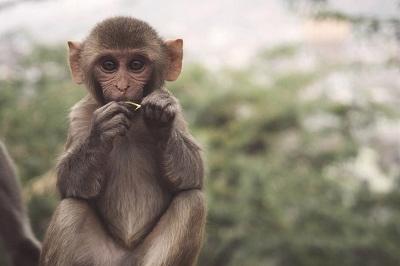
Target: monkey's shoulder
<point>83,110</point>
<point>79,118</point>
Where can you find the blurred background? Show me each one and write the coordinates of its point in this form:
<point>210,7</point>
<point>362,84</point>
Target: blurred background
<point>296,102</point>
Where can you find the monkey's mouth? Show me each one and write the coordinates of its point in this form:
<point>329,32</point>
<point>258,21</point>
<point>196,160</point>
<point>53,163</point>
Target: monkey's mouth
<point>135,97</point>
<point>125,98</point>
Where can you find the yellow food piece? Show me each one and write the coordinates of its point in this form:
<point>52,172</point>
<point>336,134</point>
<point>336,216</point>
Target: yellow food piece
<point>137,106</point>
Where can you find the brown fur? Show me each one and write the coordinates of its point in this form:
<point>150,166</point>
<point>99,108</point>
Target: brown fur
<point>15,229</point>
<point>131,181</point>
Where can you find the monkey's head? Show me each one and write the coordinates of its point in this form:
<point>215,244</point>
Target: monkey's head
<point>123,58</point>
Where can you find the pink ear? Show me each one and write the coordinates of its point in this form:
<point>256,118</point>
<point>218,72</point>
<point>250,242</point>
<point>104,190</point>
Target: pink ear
<point>74,62</point>
<point>175,54</point>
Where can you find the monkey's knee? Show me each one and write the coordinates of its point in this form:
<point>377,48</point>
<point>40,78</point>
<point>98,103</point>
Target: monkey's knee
<point>193,203</point>
<point>76,237</point>
<point>67,220</point>
<point>59,239</point>
<point>177,238</point>
<point>70,211</point>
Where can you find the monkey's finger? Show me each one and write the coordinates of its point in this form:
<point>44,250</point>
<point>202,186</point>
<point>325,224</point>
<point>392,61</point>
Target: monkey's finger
<point>117,127</point>
<point>119,119</point>
<point>131,110</point>
<point>120,130</point>
<point>157,96</point>
<point>104,107</point>
<point>113,110</point>
<point>159,99</point>
<point>106,111</point>
<point>159,109</point>
<point>164,114</point>
<point>157,112</point>
<point>109,135</point>
<point>115,130</point>
<point>116,109</point>
<point>168,114</point>
<point>149,111</point>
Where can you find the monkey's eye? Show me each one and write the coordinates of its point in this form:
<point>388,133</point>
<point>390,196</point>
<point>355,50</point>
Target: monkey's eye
<point>136,65</point>
<point>109,65</point>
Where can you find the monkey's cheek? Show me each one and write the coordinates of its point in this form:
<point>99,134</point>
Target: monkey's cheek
<point>110,96</point>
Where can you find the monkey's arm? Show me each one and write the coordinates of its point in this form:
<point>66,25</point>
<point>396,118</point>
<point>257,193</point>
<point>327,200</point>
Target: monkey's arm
<point>78,174</point>
<point>15,229</point>
<point>177,237</point>
<point>81,169</point>
<point>180,156</point>
<point>181,160</point>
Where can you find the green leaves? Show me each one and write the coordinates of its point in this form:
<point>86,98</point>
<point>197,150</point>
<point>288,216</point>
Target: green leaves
<point>279,186</point>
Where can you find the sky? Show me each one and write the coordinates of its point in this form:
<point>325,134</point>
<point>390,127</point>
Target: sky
<point>215,32</point>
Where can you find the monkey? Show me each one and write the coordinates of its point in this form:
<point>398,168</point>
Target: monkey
<point>15,229</point>
<point>131,182</point>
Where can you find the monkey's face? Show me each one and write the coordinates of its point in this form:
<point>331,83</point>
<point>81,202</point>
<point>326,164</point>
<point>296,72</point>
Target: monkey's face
<point>117,65</point>
<point>122,75</point>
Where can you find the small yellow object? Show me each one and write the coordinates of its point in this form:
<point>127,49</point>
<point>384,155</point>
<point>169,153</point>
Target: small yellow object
<point>137,106</point>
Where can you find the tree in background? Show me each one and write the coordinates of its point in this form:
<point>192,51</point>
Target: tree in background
<point>284,186</point>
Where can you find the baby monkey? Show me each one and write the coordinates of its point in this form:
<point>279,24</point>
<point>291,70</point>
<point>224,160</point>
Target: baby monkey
<point>130,178</point>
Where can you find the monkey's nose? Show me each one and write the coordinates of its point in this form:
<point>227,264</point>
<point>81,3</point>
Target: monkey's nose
<point>122,89</point>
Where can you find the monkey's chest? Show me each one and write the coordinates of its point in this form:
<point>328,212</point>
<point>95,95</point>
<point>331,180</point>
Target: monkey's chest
<point>133,197</point>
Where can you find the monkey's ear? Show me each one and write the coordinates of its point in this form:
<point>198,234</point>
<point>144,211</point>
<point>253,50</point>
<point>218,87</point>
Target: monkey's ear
<point>74,63</point>
<point>175,54</point>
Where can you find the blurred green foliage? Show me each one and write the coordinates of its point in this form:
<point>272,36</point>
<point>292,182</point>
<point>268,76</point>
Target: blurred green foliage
<point>273,197</point>
<point>33,108</point>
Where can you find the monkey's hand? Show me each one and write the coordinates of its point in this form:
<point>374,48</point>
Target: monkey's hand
<point>80,170</point>
<point>159,109</point>
<point>181,161</point>
<point>110,121</point>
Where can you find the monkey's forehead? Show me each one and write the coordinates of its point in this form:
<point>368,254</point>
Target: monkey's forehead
<point>124,41</point>
<point>123,33</point>
<point>128,52</point>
